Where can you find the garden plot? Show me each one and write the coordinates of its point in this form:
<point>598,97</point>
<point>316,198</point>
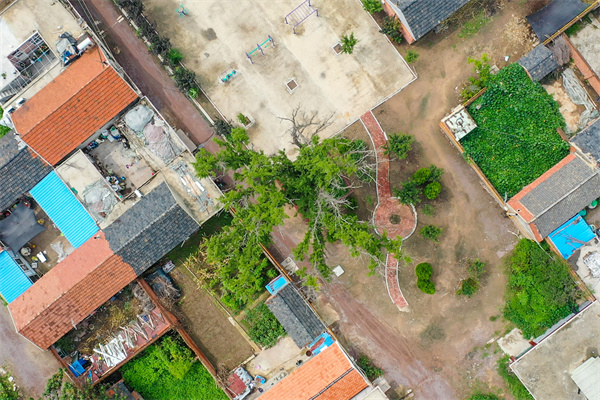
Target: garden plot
<point>516,140</point>
<point>215,36</point>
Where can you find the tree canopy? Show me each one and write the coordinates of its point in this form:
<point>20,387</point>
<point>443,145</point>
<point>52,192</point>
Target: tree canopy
<point>317,183</point>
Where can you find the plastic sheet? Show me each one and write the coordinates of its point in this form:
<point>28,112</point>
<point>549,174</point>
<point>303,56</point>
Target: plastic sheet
<point>138,118</point>
<point>578,95</point>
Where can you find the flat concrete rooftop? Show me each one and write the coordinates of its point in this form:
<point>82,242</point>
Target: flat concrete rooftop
<point>216,35</point>
<point>545,369</point>
<point>20,21</point>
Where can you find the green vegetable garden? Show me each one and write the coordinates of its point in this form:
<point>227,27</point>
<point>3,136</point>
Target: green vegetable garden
<point>516,139</point>
<point>167,370</point>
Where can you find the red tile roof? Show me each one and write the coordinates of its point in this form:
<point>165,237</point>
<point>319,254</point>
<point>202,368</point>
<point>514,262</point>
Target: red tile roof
<point>327,376</point>
<point>68,110</point>
<point>71,291</point>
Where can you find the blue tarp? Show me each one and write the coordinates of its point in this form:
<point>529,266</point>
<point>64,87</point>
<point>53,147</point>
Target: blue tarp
<point>63,208</point>
<point>13,281</point>
<point>571,235</point>
<point>276,284</point>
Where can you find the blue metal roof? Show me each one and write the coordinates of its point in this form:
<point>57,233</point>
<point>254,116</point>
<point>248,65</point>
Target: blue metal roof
<point>571,235</point>
<point>13,281</point>
<point>63,208</point>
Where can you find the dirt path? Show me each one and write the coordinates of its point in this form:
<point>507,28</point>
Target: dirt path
<point>147,74</point>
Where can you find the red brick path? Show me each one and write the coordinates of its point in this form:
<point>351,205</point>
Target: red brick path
<point>388,206</point>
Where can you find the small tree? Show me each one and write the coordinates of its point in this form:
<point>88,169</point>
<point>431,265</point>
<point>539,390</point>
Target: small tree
<point>369,368</point>
<point>185,79</point>
<point>436,173</point>
<point>372,6</point>
<point>424,271</point>
<point>432,190</point>
<point>391,27</point>
<point>243,119</point>
<point>399,145</point>
<point>348,43</point>
<point>409,194</point>
<point>222,128</point>
<point>431,232</point>
<point>426,287</point>
<point>421,176</point>
<point>411,56</point>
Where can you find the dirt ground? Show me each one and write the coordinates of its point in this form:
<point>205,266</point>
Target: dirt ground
<point>436,349</point>
<point>208,325</point>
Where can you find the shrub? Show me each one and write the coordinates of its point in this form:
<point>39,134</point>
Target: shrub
<point>372,6</point>
<point>516,139</point>
<point>243,119</point>
<point>222,128</point>
<point>482,396</point>
<point>399,145</point>
<point>435,173</point>
<point>263,327</point>
<point>468,287</point>
<point>194,92</point>
<point>185,79</point>
<point>160,45</point>
<point>424,271</point>
<point>421,176</point>
<point>428,209</point>
<point>391,27</point>
<point>369,369</point>
<point>515,387</point>
<point>474,25</point>
<point>348,43</point>
<point>174,56</point>
<point>3,129</point>
<point>411,56</point>
<point>540,289</point>
<point>426,287</point>
<point>432,190</point>
<point>409,194</point>
<point>431,232</point>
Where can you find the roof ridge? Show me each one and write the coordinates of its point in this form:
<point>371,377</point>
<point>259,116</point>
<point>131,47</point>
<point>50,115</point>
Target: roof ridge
<point>105,68</point>
<point>565,195</point>
<point>336,380</point>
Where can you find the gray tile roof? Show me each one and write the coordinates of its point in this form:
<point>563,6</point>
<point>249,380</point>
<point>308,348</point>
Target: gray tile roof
<point>588,140</point>
<point>296,317</point>
<point>424,15</point>
<point>562,195</point>
<point>150,229</point>
<point>19,170</point>
<point>539,62</point>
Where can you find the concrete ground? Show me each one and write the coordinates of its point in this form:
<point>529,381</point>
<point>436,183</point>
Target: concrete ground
<point>587,41</point>
<point>215,36</point>
<point>545,369</point>
<point>30,366</point>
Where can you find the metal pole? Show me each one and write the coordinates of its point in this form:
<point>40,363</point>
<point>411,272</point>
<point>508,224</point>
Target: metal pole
<point>260,48</point>
<point>249,58</point>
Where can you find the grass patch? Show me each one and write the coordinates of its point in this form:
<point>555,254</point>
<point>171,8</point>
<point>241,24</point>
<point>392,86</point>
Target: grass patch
<point>516,139</point>
<point>474,25</point>
<point>515,387</point>
<point>540,290</point>
<point>180,253</point>
<point>263,327</point>
<point>168,370</point>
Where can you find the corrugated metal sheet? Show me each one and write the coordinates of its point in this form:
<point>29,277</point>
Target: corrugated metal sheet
<point>571,235</point>
<point>587,377</point>
<point>13,281</point>
<point>64,210</point>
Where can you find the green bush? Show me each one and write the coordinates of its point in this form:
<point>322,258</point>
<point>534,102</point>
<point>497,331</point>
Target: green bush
<point>243,119</point>
<point>194,92</point>
<point>399,145</point>
<point>421,176</point>
<point>432,190</point>
<point>3,129</point>
<point>348,43</point>
<point>168,370</point>
<point>516,139</point>
<point>468,287</point>
<point>391,27</point>
<point>372,6</point>
<point>174,56</point>
<point>263,327</point>
<point>481,396</point>
<point>435,173</point>
<point>431,232</point>
<point>424,271</point>
<point>426,287</point>
<point>411,56</point>
<point>540,290</point>
<point>369,369</point>
<point>515,387</point>
<point>409,194</point>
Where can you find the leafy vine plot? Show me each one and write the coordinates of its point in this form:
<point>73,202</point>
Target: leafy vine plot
<point>516,140</point>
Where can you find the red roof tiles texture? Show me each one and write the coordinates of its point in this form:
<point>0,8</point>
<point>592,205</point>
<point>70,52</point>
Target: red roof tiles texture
<point>67,111</point>
<point>317,375</point>
<point>71,291</point>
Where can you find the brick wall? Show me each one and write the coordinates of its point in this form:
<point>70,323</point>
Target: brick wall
<point>584,67</point>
